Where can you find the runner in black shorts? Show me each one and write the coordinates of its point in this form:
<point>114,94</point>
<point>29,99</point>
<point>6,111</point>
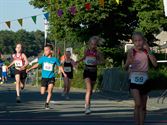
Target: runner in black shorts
<point>137,64</point>
<point>20,61</point>
<point>48,63</point>
<point>92,58</point>
<point>68,65</point>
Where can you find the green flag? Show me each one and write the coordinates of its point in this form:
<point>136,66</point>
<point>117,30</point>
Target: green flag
<point>34,18</point>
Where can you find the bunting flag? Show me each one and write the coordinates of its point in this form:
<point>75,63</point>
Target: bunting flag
<point>8,24</point>
<point>101,2</point>
<point>20,21</point>
<point>165,7</point>
<point>117,1</point>
<point>88,6</point>
<point>46,15</point>
<point>34,18</point>
<point>60,12</point>
<point>73,10</point>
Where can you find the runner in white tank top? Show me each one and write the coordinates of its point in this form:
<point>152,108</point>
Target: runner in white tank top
<point>20,61</point>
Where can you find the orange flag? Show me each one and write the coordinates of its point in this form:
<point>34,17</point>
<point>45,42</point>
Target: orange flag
<point>101,2</point>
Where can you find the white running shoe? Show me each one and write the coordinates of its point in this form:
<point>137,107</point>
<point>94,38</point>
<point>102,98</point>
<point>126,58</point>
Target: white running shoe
<point>87,111</point>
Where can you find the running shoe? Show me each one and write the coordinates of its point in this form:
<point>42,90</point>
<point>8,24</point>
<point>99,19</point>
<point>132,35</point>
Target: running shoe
<point>67,97</point>
<point>63,94</point>
<point>1,83</point>
<point>18,100</point>
<point>87,111</point>
<point>47,106</point>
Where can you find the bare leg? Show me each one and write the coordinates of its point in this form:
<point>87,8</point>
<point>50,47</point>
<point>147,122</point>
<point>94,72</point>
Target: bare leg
<point>88,91</point>
<point>65,85</point>
<point>50,90</point>
<point>17,77</point>
<point>144,105</point>
<point>138,107</point>
<point>43,90</point>
<point>68,86</point>
<point>22,83</point>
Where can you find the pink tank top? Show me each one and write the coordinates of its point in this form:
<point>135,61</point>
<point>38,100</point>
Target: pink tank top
<point>140,62</point>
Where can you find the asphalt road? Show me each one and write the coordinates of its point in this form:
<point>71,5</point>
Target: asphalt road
<point>112,109</point>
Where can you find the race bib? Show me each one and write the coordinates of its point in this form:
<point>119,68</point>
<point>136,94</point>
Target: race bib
<point>138,77</point>
<point>90,60</point>
<point>67,69</point>
<point>48,66</point>
<point>18,63</point>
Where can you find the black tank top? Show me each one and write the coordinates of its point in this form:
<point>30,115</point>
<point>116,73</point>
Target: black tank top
<point>68,67</point>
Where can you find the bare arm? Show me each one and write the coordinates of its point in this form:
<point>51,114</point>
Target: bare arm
<point>100,58</point>
<point>11,64</point>
<point>73,63</point>
<point>82,57</point>
<point>26,61</point>
<point>150,55</point>
<point>153,60</point>
<point>33,67</point>
<point>62,70</point>
<point>129,59</point>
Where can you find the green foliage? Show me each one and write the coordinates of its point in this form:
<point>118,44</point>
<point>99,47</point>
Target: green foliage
<point>151,18</point>
<point>32,41</point>
<point>116,56</point>
<point>109,22</point>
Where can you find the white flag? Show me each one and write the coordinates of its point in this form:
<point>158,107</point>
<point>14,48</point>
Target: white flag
<point>46,28</point>
<point>165,7</point>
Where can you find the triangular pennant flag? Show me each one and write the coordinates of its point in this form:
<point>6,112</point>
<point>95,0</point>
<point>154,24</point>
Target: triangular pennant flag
<point>34,18</point>
<point>73,10</point>
<point>88,6</point>
<point>8,24</point>
<point>46,15</point>
<point>60,12</point>
<point>101,2</point>
<point>20,21</point>
<point>117,1</point>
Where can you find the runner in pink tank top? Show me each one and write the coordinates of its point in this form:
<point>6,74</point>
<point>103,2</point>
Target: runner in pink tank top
<point>137,64</point>
<point>140,62</point>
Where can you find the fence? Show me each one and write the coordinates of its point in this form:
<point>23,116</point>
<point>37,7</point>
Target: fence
<point>114,79</point>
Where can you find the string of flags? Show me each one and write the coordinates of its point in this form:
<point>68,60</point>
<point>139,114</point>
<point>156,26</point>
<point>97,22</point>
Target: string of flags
<point>72,10</point>
<point>20,21</point>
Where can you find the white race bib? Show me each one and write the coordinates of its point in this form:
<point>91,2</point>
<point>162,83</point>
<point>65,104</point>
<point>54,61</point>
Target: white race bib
<point>48,66</point>
<point>138,77</point>
<point>90,60</point>
<point>4,68</point>
<point>18,63</point>
<point>67,69</point>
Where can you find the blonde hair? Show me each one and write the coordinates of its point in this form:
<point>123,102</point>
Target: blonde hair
<point>138,34</point>
<point>97,39</point>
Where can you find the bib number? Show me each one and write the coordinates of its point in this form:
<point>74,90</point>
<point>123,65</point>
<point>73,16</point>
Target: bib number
<point>138,78</point>
<point>18,63</point>
<point>48,67</point>
<point>90,60</point>
<point>67,69</point>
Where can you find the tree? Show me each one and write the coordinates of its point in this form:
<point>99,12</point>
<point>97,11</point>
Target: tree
<point>151,18</point>
<point>32,41</point>
<point>109,22</point>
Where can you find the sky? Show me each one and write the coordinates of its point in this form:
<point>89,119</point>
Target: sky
<point>16,9</point>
